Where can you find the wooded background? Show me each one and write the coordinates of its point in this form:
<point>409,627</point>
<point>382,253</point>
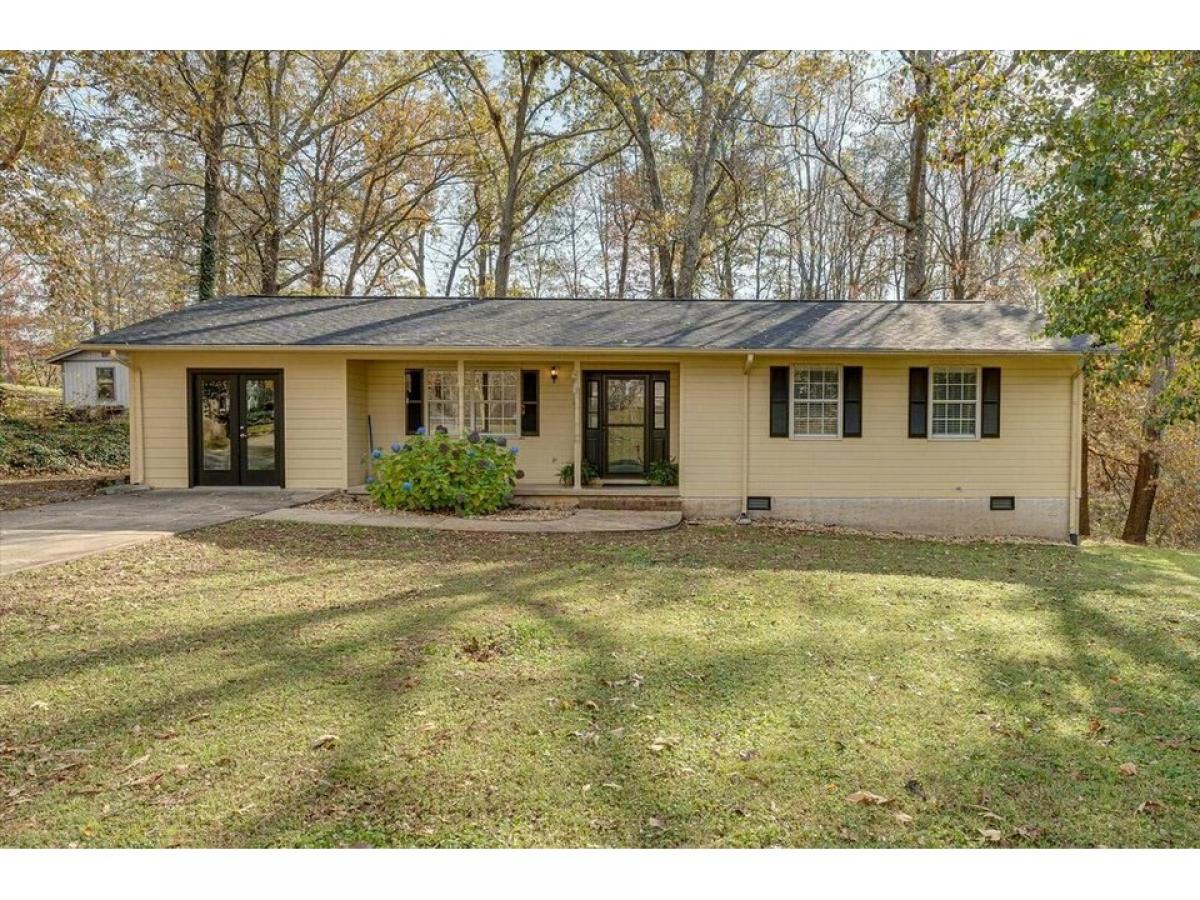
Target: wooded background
<point>134,182</point>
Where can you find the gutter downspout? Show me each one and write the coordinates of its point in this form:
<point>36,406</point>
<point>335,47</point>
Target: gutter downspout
<point>744,517</point>
<point>1075,456</point>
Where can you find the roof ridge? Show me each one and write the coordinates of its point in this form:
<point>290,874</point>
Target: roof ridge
<point>746,300</point>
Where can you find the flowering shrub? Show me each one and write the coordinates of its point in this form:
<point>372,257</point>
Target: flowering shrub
<point>469,476</point>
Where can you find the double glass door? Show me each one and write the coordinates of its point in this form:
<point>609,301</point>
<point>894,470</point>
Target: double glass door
<point>237,433</point>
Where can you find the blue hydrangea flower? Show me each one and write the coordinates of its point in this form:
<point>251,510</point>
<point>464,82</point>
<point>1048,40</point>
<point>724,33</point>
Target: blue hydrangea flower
<point>396,445</point>
<point>421,430</point>
<point>370,479</point>
<point>407,486</point>
<point>376,453</point>
<point>513,450</point>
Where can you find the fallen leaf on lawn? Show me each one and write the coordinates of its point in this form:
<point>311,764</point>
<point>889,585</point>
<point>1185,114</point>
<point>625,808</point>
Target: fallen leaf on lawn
<point>747,755</point>
<point>133,765</point>
<point>325,740</point>
<point>991,834</point>
<point>914,787</point>
<point>1117,710</point>
<point>1150,807</point>
<point>1029,832</point>
<point>586,788</point>
<point>988,814</point>
<point>1095,726</point>
<point>167,735</point>
<point>39,704</point>
<point>659,744</point>
<point>144,780</point>
<point>1173,742</point>
<point>903,818</point>
<point>866,798</point>
<point>656,822</point>
<point>592,704</point>
<point>611,785</point>
<point>846,834</point>
<point>197,717</point>
<point>1128,768</point>
<point>618,732</point>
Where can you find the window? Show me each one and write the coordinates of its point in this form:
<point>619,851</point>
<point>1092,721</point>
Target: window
<point>493,401</point>
<point>441,399</point>
<point>493,405</point>
<point>954,410</point>
<point>660,405</point>
<point>816,401</point>
<point>106,383</point>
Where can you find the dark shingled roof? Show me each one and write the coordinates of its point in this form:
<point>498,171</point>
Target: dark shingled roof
<point>600,324</point>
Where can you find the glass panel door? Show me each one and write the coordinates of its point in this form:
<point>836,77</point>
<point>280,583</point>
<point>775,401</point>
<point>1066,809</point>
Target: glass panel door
<point>625,419</point>
<point>215,400</point>
<point>258,429</point>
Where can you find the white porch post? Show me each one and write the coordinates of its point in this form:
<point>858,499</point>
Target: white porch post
<point>462,395</point>
<point>577,392</point>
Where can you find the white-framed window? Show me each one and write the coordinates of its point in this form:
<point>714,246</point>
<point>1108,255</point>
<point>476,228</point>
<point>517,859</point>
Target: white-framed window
<point>954,402</point>
<point>816,408</point>
<point>441,399</point>
<point>493,401</point>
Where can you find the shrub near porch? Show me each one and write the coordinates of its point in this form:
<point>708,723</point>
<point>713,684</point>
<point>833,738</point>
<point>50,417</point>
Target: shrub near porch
<point>470,476</point>
<point>271,684</point>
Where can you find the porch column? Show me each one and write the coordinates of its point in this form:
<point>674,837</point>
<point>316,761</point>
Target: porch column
<point>462,396</point>
<point>745,515</point>
<point>577,393</point>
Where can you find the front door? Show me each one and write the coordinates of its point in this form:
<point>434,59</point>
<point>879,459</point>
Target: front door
<point>237,432</point>
<point>625,422</point>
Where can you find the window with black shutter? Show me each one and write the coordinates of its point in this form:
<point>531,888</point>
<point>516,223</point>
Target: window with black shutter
<point>990,413</point>
<point>779,401</point>
<point>918,402</point>
<point>414,400</point>
<point>529,402</point>
<point>852,401</point>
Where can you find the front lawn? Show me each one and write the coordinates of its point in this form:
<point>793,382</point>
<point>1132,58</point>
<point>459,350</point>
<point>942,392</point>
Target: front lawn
<point>274,684</point>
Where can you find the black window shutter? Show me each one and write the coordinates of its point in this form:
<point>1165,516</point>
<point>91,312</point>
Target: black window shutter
<point>779,401</point>
<point>414,400</point>
<point>851,401</point>
<point>529,402</point>
<point>990,419</point>
<point>918,402</point>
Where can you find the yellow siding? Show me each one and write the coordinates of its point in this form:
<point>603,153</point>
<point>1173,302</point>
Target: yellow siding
<point>314,392</point>
<point>1031,458</point>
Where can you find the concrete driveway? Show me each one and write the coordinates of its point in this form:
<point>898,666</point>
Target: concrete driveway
<point>58,532</point>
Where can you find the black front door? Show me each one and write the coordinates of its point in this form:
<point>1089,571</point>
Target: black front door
<point>625,422</point>
<point>237,428</point>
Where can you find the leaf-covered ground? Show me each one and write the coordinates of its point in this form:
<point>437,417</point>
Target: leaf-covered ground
<point>270,684</point>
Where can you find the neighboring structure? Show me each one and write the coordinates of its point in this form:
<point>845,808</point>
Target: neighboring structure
<point>956,418</point>
<point>92,378</point>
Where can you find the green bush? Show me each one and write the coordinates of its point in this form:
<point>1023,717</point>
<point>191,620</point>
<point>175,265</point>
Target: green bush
<point>566,475</point>
<point>664,473</point>
<point>468,476</point>
<point>59,443</point>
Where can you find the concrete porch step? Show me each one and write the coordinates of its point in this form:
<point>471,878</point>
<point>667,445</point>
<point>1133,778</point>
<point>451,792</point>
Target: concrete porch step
<point>617,501</point>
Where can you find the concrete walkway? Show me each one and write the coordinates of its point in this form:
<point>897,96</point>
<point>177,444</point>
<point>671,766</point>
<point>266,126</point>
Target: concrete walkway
<point>57,532</point>
<point>582,522</point>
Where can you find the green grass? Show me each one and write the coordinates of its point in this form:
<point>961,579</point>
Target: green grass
<point>699,687</point>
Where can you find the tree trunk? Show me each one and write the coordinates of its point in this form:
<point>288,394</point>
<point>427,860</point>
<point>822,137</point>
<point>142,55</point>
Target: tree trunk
<point>213,140</point>
<point>701,164</point>
<point>1085,515</point>
<point>916,236</point>
<point>1145,481</point>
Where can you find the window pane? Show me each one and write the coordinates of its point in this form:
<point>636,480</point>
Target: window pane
<point>660,404</point>
<point>215,437</point>
<point>260,424</point>
<point>441,392</point>
<point>815,401</point>
<point>955,402</point>
<point>492,401</point>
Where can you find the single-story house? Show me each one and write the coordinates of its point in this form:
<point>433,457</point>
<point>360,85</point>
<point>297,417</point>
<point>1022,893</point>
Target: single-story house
<point>925,417</point>
<point>92,378</point>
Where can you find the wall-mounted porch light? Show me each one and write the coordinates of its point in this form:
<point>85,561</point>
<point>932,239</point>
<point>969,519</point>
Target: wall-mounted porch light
<point>554,374</point>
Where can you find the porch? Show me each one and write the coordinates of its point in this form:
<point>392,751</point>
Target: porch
<point>602,426</point>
